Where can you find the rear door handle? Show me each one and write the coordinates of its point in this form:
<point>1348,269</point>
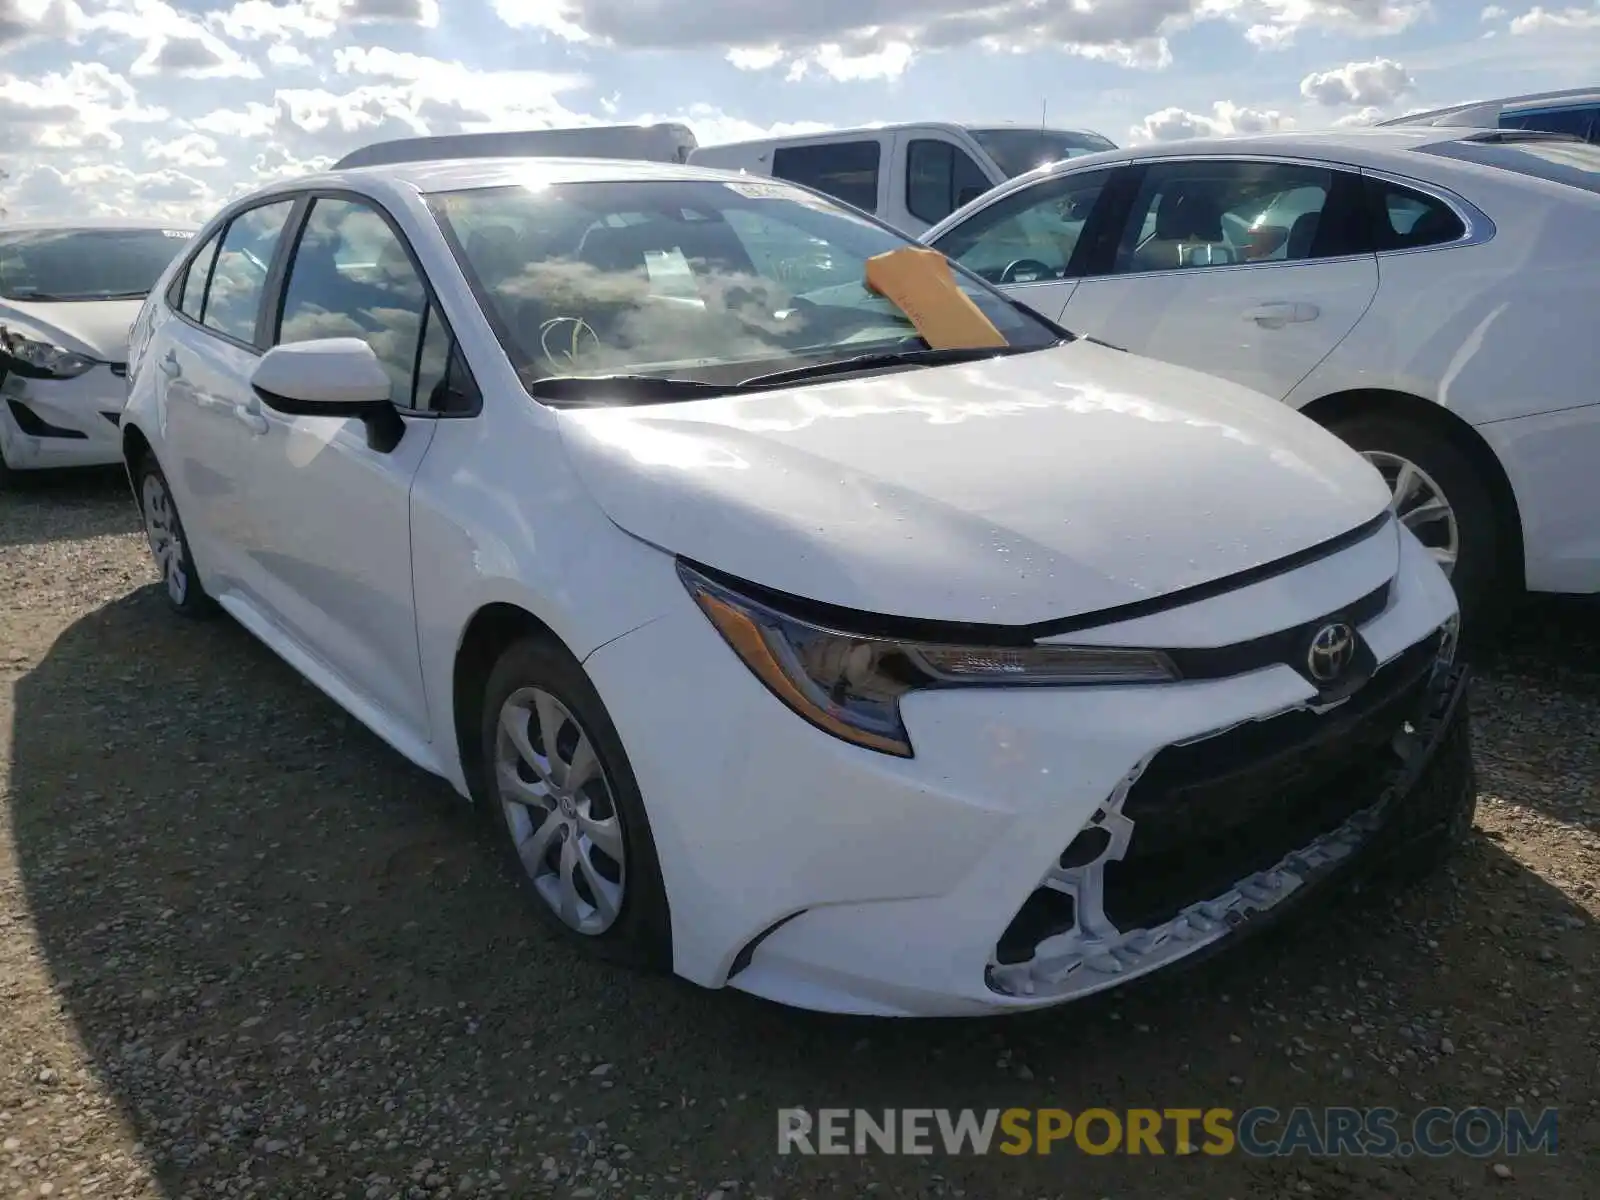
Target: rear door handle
<point>1279,313</point>
<point>170,367</point>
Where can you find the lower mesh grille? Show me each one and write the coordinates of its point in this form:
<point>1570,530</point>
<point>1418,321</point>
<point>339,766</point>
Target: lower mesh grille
<point>1211,812</point>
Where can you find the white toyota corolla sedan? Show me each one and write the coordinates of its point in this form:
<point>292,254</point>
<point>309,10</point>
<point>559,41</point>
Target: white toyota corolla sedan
<point>68,292</point>
<point>1426,293</point>
<point>786,651</point>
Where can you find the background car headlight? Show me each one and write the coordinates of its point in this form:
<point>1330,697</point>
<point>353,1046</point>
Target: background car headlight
<point>850,685</point>
<point>40,360</point>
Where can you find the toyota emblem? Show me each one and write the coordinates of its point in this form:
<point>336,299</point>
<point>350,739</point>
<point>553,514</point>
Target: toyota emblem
<point>1333,648</point>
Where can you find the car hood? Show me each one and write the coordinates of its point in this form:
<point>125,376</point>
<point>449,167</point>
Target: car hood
<point>98,328</point>
<point>1009,491</point>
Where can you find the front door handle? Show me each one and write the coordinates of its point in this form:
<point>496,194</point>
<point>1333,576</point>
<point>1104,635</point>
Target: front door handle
<point>1282,312</point>
<point>170,366</point>
<point>250,416</point>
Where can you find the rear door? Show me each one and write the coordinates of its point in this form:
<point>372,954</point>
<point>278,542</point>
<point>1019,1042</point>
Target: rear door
<point>202,374</point>
<point>1252,270</point>
<point>1035,243</point>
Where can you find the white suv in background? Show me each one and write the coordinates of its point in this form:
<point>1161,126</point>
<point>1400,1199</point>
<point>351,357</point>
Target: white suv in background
<point>783,650</point>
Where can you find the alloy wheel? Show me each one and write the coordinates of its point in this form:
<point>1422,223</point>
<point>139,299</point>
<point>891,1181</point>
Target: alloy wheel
<point>1421,506</point>
<point>165,535</point>
<point>560,810</point>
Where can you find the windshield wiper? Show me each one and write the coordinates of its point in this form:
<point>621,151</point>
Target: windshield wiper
<point>893,358</point>
<point>629,389</point>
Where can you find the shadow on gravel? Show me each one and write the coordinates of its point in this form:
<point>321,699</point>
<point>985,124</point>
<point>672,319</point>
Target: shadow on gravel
<point>294,958</point>
<point>47,506</point>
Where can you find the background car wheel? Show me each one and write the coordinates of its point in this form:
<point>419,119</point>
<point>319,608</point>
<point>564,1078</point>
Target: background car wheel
<point>1441,496</point>
<point>564,801</point>
<point>168,545</point>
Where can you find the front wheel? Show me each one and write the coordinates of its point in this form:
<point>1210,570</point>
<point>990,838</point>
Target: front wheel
<point>168,545</point>
<point>1439,494</point>
<point>561,793</point>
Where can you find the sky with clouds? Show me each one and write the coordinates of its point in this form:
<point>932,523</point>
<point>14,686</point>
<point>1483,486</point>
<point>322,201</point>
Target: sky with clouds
<point>169,107</point>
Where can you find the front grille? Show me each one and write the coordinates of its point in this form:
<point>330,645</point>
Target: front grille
<point>1211,812</point>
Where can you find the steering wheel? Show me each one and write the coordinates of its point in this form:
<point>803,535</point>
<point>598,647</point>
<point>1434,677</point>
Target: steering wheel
<point>566,340</point>
<point>1030,267</point>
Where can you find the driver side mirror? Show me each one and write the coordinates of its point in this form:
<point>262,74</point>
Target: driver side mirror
<point>331,377</point>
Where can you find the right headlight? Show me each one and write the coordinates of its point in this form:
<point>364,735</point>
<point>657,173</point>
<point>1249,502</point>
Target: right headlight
<point>850,685</point>
<point>41,360</point>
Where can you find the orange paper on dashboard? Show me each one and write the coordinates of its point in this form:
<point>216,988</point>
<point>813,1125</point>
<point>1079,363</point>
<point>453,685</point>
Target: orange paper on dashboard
<point>921,283</point>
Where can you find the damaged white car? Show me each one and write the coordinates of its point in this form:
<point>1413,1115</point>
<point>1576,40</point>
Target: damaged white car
<point>905,657</point>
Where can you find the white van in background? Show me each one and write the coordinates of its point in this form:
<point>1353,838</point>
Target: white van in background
<point>910,176</point>
<point>664,142</point>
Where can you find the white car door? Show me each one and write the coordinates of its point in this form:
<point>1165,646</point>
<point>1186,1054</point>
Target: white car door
<point>333,532</point>
<point>1251,270</point>
<point>202,370</point>
<point>1029,241</point>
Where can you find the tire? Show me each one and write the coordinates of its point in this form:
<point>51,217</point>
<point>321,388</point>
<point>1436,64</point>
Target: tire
<point>169,546</point>
<point>537,684</point>
<point>1486,574</point>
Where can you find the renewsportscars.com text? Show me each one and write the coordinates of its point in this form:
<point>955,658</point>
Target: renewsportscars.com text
<point>1260,1132</point>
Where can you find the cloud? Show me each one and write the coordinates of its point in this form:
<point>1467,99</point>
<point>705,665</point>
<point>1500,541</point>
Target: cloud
<point>1225,119</point>
<point>849,39</point>
<point>187,150</point>
<point>75,109</point>
<point>23,21</point>
<point>174,43</point>
<point>1380,82</point>
<point>1360,118</point>
<point>1538,18</point>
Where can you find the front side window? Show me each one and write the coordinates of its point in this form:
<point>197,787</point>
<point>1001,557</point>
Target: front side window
<point>351,277</point>
<point>1219,213</point>
<point>847,171</point>
<point>239,278</point>
<point>1575,122</point>
<point>685,279</point>
<point>86,264</point>
<point>940,178</point>
<point>1030,235</point>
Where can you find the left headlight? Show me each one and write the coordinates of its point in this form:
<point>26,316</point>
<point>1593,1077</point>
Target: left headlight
<point>41,360</point>
<point>850,685</point>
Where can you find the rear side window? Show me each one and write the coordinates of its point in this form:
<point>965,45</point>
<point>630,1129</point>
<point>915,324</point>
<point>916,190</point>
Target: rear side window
<point>940,178</point>
<point>239,278</point>
<point>847,171</point>
<point>191,301</point>
<point>1578,122</point>
<point>1403,219</point>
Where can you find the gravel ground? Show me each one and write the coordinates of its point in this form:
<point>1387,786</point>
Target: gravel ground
<point>247,950</point>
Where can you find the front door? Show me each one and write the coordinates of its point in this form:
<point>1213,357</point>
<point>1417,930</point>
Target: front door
<point>1249,270</point>
<point>333,550</point>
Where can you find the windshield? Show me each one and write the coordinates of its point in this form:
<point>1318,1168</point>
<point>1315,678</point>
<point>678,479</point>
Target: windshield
<point>686,279</point>
<point>85,264</point>
<point>1018,151</point>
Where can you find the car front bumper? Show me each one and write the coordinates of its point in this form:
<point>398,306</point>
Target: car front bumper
<point>825,876</point>
<point>75,422</point>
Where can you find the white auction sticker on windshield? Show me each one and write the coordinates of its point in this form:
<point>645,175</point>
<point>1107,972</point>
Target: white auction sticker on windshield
<point>765,191</point>
<point>177,233</point>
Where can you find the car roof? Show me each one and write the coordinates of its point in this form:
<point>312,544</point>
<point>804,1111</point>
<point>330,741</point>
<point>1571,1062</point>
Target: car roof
<point>86,223</point>
<point>452,174</point>
<point>1566,97</point>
